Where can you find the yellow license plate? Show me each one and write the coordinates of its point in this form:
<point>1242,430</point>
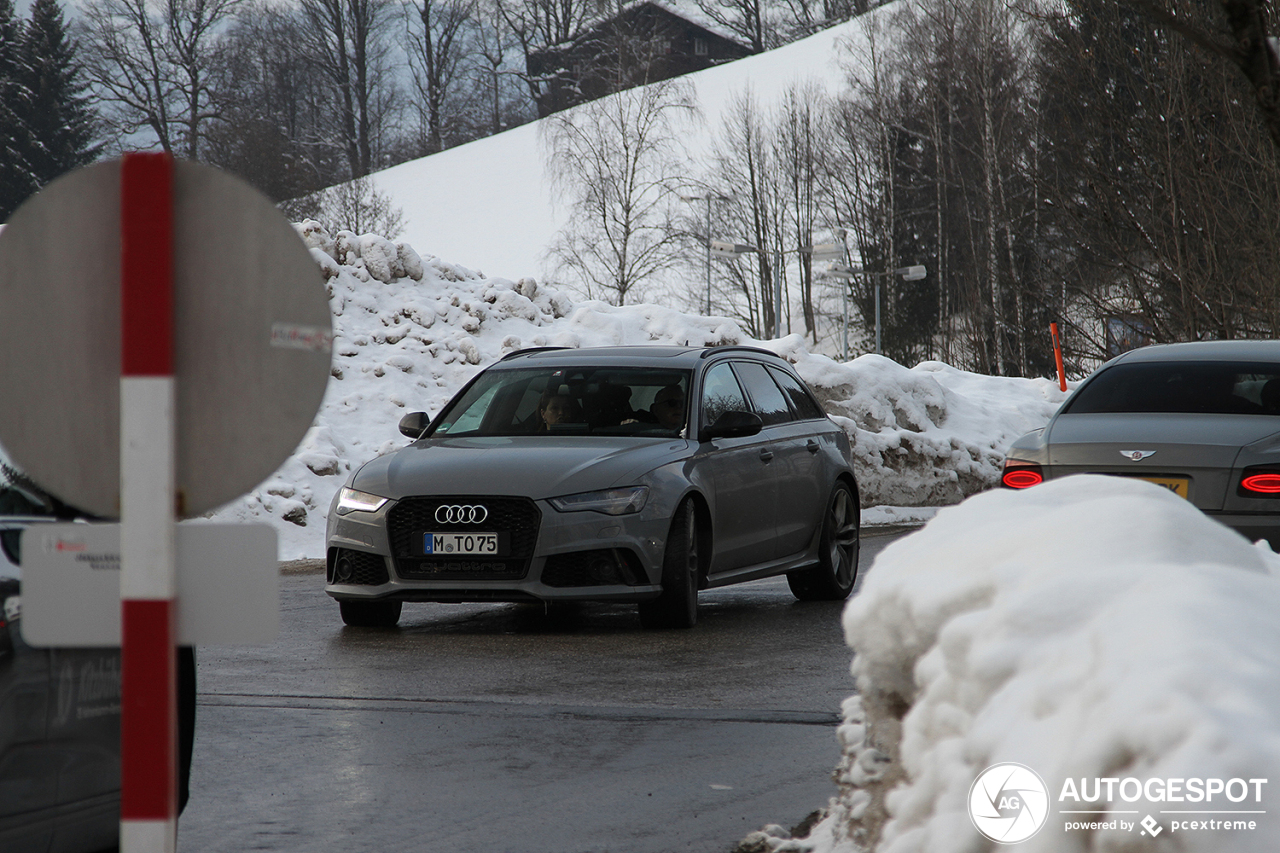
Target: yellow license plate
<point>1180,486</point>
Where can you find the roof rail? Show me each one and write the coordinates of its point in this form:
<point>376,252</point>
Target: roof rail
<point>529,350</point>
<point>737,348</point>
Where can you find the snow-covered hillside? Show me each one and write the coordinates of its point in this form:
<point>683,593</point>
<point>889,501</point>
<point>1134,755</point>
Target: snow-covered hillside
<point>488,203</point>
<point>409,331</point>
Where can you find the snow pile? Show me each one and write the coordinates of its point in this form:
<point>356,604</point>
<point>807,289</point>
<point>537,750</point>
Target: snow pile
<point>1089,628</point>
<point>409,331</point>
<point>930,435</point>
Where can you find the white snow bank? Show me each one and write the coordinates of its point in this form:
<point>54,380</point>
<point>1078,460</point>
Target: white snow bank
<point>926,436</point>
<point>1088,628</point>
<point>409,331</point>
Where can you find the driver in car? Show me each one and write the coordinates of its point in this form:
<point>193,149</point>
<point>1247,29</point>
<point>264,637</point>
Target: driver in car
<point>668,407</point>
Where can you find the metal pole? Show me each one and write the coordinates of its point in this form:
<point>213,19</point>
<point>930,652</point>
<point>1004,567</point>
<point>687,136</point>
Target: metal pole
<point>777,295</point>
<point>878,351</point>
<point>844,300</point>
<point>844,320</point>
<point>708,311</point>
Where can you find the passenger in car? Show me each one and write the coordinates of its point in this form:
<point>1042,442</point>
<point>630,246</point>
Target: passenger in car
<point>609,406</point>
<point>1271,397</point>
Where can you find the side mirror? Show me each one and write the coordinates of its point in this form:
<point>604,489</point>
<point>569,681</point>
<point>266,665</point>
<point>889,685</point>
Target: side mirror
<point>415,424</point>
<point>732,425</point>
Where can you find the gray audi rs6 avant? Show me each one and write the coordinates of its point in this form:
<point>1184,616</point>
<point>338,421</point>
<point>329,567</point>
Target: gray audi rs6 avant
<point>1201,419</point>
<point>618,473</point>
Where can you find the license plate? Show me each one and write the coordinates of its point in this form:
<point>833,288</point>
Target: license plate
<point>1180,486</point>
<point>472,544</point>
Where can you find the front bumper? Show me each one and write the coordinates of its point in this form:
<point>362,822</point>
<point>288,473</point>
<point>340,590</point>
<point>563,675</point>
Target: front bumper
<point>573,556</point>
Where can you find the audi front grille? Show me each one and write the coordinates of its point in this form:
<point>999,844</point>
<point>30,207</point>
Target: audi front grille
<point>519,518</point>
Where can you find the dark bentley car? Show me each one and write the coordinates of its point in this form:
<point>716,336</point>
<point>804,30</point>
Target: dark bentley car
<point>638,474</point>
<point>1200,419</point>
<point>60,712</point>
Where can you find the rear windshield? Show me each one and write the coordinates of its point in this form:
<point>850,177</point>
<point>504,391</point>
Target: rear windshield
<point>570,401</point>
<point>1216,387</point>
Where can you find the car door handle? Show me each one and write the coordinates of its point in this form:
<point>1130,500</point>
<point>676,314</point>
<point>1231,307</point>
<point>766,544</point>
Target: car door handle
<point>811,446</point>
<point>766,455</point>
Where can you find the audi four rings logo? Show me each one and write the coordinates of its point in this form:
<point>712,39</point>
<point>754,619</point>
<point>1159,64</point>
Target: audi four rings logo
<point>460,514</point>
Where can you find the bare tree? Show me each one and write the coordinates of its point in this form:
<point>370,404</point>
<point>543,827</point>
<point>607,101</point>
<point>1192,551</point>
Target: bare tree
<point>354,206</point>
<point>1241,35</point>
<point>1163,182</point>
<point>747,19</point>
<point>154,64</point>
<point>275,125</point>
<point>438,31</point>
<point>538,24</point>
<point>800,138</point>
<point>491,69</point>
<point>744,172</point>
<point>619,160</point>
<point>346,41</point>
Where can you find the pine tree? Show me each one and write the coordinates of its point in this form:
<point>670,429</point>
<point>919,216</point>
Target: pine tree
<point>60,120</point>
<point>17,180</point>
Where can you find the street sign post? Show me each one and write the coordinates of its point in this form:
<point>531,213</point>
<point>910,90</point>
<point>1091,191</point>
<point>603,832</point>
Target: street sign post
<point>146,376</point>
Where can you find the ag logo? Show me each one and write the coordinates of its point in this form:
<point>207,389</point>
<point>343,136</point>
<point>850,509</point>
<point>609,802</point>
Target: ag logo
<point>1008,803</point>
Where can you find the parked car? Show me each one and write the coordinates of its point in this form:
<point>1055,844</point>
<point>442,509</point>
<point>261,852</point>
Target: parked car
<point>638,474</point>
<point>1200,419</point>
<point>60,711</point>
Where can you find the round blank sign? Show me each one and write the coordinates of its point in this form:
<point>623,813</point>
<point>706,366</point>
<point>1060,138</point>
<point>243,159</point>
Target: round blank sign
<point>252,337</point>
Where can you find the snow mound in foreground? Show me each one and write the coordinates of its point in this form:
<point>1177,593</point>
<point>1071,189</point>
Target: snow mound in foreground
<point>1088,628</point>
<point>410,330</point>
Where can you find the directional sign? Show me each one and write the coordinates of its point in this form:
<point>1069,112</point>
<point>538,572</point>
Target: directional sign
<point>228,584</point>
<point>823,251</point>
<point>723,249</point>
<point>251,337</point>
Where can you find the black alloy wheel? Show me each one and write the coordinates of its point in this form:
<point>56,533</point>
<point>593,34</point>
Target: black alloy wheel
<point>370,614</point>
<point>677,606</point>
<point>832,579</point>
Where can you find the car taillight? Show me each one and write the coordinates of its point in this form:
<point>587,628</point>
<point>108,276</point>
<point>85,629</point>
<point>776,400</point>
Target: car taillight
<point>1260,483</point>
<point>1021,475</point>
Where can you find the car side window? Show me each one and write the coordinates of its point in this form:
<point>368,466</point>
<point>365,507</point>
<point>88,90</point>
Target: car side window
<point>805,406</point>
<point>770,404</point>
<point>721,393</point>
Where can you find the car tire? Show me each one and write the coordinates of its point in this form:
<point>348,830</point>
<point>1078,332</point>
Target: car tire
<point>832,579</point>
<point>677,606</point>
<point>370,614</point>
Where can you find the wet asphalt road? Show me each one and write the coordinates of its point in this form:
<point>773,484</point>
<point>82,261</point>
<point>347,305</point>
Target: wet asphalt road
<point>510,728</point>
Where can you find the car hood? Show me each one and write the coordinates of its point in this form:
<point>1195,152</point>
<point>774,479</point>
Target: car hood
<point>536,467</point>
<point>1188,439</point>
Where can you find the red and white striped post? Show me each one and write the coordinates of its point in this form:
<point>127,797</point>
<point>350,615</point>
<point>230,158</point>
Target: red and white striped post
<point>148,583</point>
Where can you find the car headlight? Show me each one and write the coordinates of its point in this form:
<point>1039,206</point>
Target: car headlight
<point>350,500</point>
<point>609,501</point>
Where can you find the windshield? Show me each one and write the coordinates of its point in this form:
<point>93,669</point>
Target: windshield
<point>1214,387</point>
<point>570,401</point>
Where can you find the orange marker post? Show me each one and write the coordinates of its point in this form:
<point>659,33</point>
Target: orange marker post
<point>1057,355</point>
